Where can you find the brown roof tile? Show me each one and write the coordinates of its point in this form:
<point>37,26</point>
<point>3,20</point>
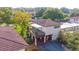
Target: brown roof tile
<point>10,40</point>
<point>44,22</point>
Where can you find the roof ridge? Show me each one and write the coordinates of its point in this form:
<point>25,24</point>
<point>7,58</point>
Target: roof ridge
<point>12,41</point>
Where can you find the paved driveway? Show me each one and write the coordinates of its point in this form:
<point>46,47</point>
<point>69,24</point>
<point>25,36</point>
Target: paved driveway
<point>51,46</point>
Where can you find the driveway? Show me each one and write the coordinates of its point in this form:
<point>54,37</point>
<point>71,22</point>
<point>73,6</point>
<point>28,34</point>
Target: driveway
<point>51,46</point>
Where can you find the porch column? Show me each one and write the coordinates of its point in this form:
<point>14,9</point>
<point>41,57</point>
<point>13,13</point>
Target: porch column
<point>35,41</point>
<point>47,38</point>
<point>44,39</point>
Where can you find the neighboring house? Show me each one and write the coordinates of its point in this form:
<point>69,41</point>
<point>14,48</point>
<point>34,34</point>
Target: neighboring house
<point>70,27</point>
<point>45,29</point>
<point>74,19</point>
<point>10,40</point>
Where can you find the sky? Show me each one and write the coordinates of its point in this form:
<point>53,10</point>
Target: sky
<point>40,3</point>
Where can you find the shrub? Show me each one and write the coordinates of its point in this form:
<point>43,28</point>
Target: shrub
<point>71,40</point>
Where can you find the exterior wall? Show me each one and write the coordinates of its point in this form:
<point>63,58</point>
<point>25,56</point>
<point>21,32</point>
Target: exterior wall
<point>71,20</point>
<point>76,28</point>
<point>51,31</point>
<point>48,30</point>
<point>74,20</point>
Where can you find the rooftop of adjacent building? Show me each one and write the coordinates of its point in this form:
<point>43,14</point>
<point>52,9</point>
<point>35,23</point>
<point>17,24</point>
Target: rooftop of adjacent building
<point>10,40</point>
<point>67,25</point>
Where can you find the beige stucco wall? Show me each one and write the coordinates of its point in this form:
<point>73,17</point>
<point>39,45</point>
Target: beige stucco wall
<point>51,30</point>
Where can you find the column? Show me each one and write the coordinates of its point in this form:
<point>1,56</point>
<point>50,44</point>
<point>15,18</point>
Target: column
<point>35,41</point>
<point>47,38</point>
<point>44,39</point>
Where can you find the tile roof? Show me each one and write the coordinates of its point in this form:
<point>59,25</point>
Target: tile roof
<point>10,40</point>
<point>44,22</point>
<point>75,17</point>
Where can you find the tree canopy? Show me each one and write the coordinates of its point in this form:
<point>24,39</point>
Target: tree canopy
<point>22,22</point>
<point>70,39</point>
<point>6,14</point>
<point>65,10</point>
<point>39,13</point>
<point>51,13</point>
<point>75,12</point>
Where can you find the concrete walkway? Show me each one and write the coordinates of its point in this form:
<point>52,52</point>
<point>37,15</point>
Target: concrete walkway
<point>51,46</point>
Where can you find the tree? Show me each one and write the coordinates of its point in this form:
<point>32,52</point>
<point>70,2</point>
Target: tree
<point>71,39</point>
<point>75,12</point>
<point>6,14</point>
<point>40,12</point>
<point>62,37</point>
<point>22,23</point>
<point>54,14</point>
<point>65,10</point>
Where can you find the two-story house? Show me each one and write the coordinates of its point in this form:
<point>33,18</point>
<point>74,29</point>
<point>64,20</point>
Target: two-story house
<point>44,30</point>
